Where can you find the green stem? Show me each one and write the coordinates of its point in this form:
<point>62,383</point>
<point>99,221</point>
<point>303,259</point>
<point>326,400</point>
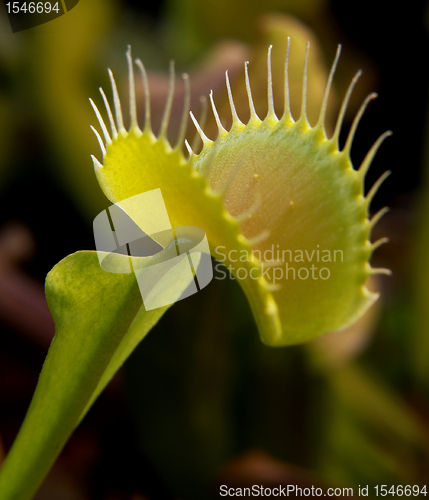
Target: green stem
<point>99,320</point>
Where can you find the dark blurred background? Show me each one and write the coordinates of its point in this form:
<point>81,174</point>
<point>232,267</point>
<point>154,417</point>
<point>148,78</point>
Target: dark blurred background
<point>202,402</point>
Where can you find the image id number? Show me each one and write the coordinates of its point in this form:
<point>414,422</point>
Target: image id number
<point>32,7</point>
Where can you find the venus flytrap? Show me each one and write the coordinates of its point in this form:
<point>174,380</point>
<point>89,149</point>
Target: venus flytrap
<point>271,183</point>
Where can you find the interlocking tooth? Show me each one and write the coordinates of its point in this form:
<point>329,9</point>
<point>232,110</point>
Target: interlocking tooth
<point>376,187</point>
<point>109,114</point>
<point>220,127</point>
<point>322,115</point>
<point>210,192</point>
<point>100,140</point>
<point>378,243</point>
<point>303,116</point>
<point>147,124</point>
<point>203,136</point>
<point>272,311</point>
<point>286,113</point>
<point>375,218</point>
<point>262,236</point>
<point>101,122</point>
<point>271,287</point>
<point>366,163</point>
<point>168,104</point>
<point>232,176</point>
<point>235,118</point>
<point>373,296</point>
<point>185,113</point>
<point>132,91</point>
<point>202,121</point>
<point>356,121</point>
<point>343,109</point>
<point>117,103</point>
<point>380,270</point>
<point>247,214</point>
<point>96,163</point>
<point>271,112</point>
<point>253,115</point>
<point>188,147</point>
<point>205,171</point>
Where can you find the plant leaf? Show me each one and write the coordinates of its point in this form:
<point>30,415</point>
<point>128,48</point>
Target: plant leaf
<point>99,320</point>
<point>269,195</point>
